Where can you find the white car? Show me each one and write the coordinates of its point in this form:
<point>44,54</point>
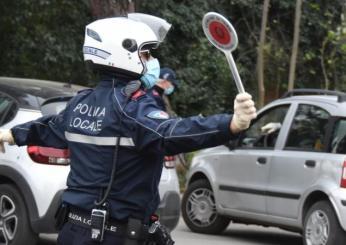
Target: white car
<point>32,178</point>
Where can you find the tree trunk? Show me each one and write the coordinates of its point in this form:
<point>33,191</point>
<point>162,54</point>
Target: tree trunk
<point>260,60</point>
<point>324,71</point>
<point>336,79</point>
<point>293,61</point>
<point>111,8</point>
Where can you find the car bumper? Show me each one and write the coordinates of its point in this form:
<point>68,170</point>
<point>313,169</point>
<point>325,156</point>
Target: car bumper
<point>339,201</point>
<point>169,209</point>
<point>46,223</point>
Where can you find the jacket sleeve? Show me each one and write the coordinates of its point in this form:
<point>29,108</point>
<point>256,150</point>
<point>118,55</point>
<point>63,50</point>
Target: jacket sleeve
<point>195,133</point>
<point>178,135</point>
<point>45,131</point>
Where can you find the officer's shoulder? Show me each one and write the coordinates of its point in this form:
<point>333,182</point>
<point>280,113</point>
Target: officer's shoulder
<point>82,93</point>
<point>79,95</point>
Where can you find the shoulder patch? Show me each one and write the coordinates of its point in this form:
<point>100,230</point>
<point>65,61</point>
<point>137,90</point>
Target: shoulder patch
<point>158,115</point>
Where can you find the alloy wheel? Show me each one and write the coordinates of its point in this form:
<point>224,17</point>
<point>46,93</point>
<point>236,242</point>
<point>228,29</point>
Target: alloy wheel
<point>8,220</point>
<point>201,209</point>
<point>317,228</point>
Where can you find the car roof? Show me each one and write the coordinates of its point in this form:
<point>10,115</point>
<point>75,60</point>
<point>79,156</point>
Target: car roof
<point>313,98</point>
<point>331,100</point>
<point>31,93</point>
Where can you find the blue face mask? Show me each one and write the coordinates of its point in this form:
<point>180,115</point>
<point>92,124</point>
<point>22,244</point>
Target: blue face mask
<point>169,90</point>
<point>152,74</point>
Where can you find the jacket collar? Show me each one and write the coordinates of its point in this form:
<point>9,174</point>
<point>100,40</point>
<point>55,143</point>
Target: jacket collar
<point>107,80</point>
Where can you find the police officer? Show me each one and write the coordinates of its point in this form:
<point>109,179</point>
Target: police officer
<point>118,136</point>
<point>165,85</point>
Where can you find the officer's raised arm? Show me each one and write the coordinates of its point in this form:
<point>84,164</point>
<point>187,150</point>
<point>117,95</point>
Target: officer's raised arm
<point>156,132</point>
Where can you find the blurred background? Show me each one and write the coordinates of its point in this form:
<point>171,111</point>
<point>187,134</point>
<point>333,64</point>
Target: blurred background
<point>43,39</point>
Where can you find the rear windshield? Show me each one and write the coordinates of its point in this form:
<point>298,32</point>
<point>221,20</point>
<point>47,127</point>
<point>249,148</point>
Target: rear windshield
<point>31,93</point>
<point>54,105</point>
<point>339,137</point>
<point>53,108</point>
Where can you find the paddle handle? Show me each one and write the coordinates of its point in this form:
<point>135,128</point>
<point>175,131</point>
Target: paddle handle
<point>235,72</point>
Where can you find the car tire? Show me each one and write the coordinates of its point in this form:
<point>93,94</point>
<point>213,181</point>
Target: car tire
<point>199,209</point>
<point>15,228</point>
<point>321,226</point>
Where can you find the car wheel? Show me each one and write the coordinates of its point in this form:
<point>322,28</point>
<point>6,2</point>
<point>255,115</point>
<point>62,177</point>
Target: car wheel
<point>321,226</point>
<point>15,228</point>
<point>199,209</point>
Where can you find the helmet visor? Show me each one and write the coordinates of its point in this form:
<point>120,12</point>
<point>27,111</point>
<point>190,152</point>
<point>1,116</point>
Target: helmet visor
<point>159,26</point>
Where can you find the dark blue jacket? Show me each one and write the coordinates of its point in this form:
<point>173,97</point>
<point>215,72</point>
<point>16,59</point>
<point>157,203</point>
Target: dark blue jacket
<point>89,127</point>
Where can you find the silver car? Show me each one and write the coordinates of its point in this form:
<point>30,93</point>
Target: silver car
<point>287,170</point>
<point>32,178</point>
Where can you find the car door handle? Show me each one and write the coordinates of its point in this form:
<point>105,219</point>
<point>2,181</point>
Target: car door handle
<point>310,163</point>
<point>262,160</point>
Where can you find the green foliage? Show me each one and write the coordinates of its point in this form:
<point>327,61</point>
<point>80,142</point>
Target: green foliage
<point>321,39</point>
<point>43,39</point>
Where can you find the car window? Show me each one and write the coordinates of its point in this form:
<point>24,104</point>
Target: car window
<point>8,108</point>
<point>264,131</point>
<point>308,129</point>
<point>338,144</point>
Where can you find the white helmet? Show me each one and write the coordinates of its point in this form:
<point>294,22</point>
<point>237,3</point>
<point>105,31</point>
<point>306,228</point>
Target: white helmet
<point>115,43</point>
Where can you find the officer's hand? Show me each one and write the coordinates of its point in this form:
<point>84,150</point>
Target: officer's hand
<point>244,112</point>
<point>5,136</point>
